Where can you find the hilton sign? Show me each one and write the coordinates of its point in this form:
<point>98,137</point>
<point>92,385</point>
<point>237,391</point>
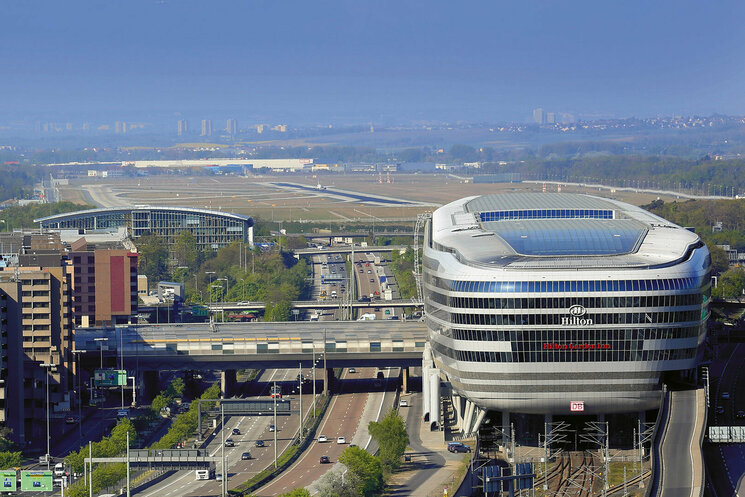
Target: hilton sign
<point>576,317</point>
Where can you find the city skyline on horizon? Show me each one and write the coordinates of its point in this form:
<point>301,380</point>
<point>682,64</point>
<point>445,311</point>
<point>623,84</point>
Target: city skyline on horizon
<point>384,63</point>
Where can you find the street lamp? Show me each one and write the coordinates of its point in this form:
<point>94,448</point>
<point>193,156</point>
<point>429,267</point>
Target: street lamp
<point>134,391</point>
<point>47,366</point>
<point>209,289</point>
<point>100,345</point>
<point>227,288</point>
<point>78,373</point>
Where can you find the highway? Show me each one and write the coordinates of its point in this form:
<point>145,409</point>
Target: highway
<point>251,428</point>
<point>342,419</point>
<point>725,463</point>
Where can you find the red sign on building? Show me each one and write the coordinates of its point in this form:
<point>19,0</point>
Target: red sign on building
<point>576,406</point>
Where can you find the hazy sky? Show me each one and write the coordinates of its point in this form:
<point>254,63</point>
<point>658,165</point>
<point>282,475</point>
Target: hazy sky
<point>357,60</point>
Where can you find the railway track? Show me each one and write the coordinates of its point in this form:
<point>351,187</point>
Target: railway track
<point>573,476</point>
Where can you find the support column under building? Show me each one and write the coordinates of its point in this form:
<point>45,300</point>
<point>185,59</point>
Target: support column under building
<point>434,398</point>
<point>506,428</point>
<point>405,380</point>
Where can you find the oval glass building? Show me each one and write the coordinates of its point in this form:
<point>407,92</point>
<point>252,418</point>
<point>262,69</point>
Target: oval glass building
<point>538,302</point>
<point>211,229</point>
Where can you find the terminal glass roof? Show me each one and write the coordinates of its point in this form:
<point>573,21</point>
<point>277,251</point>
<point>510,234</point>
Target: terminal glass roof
<point>552,237</point>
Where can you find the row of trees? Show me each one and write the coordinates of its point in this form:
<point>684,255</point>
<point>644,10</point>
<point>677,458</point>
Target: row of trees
<point>107,475</point>
<point>403,267</point>
<point>231,273</point>
<point>366,474</point>
<point>703,215</point>
<point>23,217</point>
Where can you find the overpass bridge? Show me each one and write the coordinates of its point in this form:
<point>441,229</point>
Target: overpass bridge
<point>313,304</point>
<point>256,345</point>
<point>145,350</point>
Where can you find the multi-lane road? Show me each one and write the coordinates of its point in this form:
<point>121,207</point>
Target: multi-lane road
<point>251,429</point>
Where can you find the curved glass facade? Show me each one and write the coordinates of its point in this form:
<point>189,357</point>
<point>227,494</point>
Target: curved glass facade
<point>602,335</point>
<point>211,229</point>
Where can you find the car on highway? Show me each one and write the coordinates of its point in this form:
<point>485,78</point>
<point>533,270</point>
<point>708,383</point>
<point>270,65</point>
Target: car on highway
<point>259,443</point>
<point>236,431</point>
<point>341,440</point>
<point>458,447</point>
<point>218,477</point>
<point>740,414</point>
<point>369,271</point>
<point>71,420</point>
<point>372,280</point>
<point>403,403</point>
<point>272,428</point>
<point>325,460</point>
<point>352,370</point>
<point>322,438</point>
<point>229,442</point>
<point>245,456</point>
<point>364,298</point>
<point>720,410</point>
<point>725,395</point>
<point>362,270</point>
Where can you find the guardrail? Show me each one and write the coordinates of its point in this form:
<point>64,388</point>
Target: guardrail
<point>658,437</point>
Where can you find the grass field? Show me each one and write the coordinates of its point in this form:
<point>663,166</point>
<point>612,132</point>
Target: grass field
<point>254,195</point>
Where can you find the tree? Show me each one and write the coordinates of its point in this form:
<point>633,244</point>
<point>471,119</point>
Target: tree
<point>185,251</point>
<point>364,469</point>
<point>334,484</point>
<point>298,492</point>
<point>731,283</point>
<point>390,433</point>
<point>176,388</point>
<point>719,259</point>
<point>153,257</point>
<point>10,459</point>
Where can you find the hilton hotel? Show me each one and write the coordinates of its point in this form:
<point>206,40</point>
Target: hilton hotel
<point>554,303</point>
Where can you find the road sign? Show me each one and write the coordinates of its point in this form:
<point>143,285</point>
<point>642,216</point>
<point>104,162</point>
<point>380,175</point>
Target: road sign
<point>110,377</point>
<point>36,481</point>
<point>576,406</point>
<point>8,481</point>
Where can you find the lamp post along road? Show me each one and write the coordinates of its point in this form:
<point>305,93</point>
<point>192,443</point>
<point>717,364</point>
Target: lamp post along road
<point>275,425</point>
<point>47,367</point>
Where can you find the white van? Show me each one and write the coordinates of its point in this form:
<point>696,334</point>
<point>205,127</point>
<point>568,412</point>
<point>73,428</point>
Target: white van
<point>59,469</point>
<point>204,474</point>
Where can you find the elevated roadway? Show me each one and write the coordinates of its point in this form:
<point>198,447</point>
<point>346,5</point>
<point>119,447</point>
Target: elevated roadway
<point>679,462</point>
<point>311,304</point>
<point>262,345</point>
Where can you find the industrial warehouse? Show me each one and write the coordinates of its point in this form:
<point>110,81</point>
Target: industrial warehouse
<point>561,304</point>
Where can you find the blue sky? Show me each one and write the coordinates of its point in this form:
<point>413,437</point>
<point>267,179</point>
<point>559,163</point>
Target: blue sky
<point>360,61</point>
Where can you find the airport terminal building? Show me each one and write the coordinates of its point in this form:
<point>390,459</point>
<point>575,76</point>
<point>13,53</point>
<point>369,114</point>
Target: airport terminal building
<point>211,229</point>
<point>554,303</point>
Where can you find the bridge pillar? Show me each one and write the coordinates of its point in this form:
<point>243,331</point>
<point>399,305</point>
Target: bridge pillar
<point>328,380</point>
<point>149,386</point>
<point>405,380</point>
<point>227,383</point>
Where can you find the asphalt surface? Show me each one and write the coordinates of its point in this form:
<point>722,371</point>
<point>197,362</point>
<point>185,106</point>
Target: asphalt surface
<point>424,462</point>
<point>342,418</point>
<point>725,463</point>
<point>252,428</point>
<point>677,475</point>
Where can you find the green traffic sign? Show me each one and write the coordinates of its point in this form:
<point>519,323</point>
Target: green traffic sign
<point>110,377</point>
<point>8,482</point>
<point>36,481</point>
